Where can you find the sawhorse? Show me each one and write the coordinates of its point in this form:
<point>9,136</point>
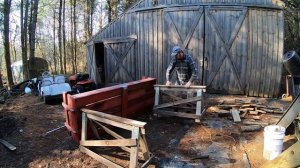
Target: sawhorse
<point>158,108</point>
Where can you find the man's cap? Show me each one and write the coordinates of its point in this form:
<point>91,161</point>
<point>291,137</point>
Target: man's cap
<point>175,50</point>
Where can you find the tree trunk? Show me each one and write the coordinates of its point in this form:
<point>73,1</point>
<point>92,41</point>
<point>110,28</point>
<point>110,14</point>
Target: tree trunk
<point>91,16</point>
<point>54,45</point>
<point>6,12</point>
<point>87,19</point>
<point>59,37</point>
<point>24,21</point>
<point>33,20</point>
<point>74,36</point>
<point>109,10</point>
<point>64,38</point>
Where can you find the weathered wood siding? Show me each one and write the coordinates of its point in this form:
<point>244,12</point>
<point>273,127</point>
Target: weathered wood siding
<point>238,48</point>
<point>155,3</point>
<point>226,36</point>
<point>265,52</point>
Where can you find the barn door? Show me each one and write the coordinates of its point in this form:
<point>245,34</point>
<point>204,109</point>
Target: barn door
<point>183,26</point>
<point>120,59</point>
<point>226,49</point>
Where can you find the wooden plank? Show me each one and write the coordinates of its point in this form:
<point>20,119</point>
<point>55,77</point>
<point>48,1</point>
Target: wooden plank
<point>155,43</point>
<point>115,118</point>
<point>179,87</point>
<point>99,158</point>
<point>258,76</point>
<point>177,102</point>
<point>237,27</point>
<point>280,28</point>
<point>199,105</point>
<point>110,122</point>
<point>135,149</point>
<point>250,59</point>
<point>274,54</point>
<point>288,159</point>
<point>84,127</point>
<point>253,117</point>
<point>178,114</point>
<point>250,128</point>
<point>157,95</point>
<point>115,142</point>
<point>144,146</point>
<point>192,28</point>
<point>146,47</point>
<point>120,39</point>
<point>255,123</point>
<point>253,112</point>
<point>236,115</point>
<point>8,145</point>
<point>160,46</point>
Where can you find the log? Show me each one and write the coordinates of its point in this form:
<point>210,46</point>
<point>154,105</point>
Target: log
<point>250,128</point>
<point>255,123</point>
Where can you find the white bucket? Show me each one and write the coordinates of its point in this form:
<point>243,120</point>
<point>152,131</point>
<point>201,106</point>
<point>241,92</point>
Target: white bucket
<point>273,141</point>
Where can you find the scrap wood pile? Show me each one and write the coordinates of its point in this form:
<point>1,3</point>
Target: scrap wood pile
<point>249,113</point>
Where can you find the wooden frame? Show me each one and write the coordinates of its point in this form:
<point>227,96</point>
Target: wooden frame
<point>198,99</point>
<point>136,145</point>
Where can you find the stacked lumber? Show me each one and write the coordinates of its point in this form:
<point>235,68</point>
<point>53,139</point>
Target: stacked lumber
<point>251,113</point>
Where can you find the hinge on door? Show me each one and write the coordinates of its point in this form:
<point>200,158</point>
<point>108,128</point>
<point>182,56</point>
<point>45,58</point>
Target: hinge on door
<point>203,62</point>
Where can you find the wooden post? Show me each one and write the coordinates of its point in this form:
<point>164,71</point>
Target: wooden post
<point>135,149</point>
<point>199,105</point>
<point>156,101</point>
<point>84,127</point>
<point>156,96</point>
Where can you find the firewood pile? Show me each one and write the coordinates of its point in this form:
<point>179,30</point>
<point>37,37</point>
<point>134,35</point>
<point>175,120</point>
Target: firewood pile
<point>248,113</point>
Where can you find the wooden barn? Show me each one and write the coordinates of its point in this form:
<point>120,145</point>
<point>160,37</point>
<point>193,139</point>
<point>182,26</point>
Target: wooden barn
<point>237,44</point>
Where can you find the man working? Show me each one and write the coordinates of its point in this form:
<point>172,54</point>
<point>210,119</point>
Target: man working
<point>184,66</point>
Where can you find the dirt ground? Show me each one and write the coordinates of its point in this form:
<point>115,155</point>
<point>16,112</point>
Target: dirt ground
<point>175,142</point>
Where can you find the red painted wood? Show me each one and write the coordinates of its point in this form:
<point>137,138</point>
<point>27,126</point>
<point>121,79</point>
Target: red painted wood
<point>125,100</point>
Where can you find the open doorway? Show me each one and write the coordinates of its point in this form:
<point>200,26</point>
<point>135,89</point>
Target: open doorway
<point>100,62</point>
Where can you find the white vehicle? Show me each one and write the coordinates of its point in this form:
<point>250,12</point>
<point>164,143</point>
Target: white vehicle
<point>52,87</point>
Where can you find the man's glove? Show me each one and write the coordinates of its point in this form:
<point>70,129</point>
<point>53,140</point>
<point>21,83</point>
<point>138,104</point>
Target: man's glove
<point>168,83</point>
<point>187,85</point>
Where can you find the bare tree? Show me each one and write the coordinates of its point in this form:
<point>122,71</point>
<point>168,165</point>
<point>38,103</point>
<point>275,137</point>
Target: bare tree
<point>74,38</point>
<point>32,27</point>
<point>88,20</point>
<point>64,37</point>
<point>109,10</point>
<point>24,29</point>
<point>59,36</point>
<point>54,43</point>
<point>6,13</point>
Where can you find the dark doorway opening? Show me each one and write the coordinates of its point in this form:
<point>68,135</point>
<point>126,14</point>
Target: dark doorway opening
<point>100,61</point>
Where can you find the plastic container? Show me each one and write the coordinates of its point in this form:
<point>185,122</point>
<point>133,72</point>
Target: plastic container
<point>291,62</point>
<point>273,141</point>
